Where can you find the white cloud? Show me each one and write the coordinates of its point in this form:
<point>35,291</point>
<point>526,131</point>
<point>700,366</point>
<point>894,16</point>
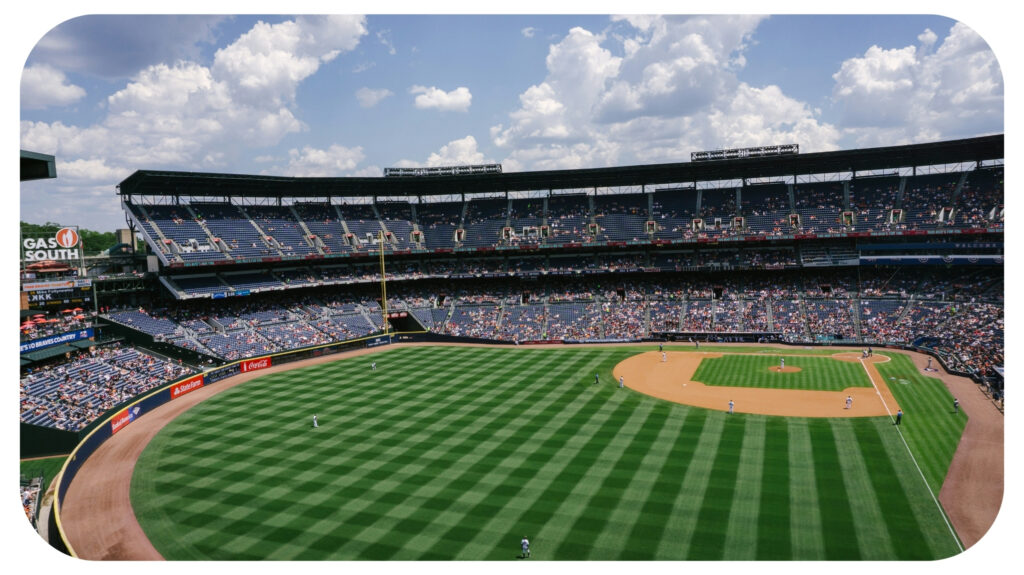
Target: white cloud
<point>673,90</point>
<point>369,98</point>
<point>906,95</point>
<point>384,37</point>
<point>528,32</point>
<point>185,115</point>
<point>312,162</point>
<point>43,87</point>
<point>461,152</point>
<point>458,100</point>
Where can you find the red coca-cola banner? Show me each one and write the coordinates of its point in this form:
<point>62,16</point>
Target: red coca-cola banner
<point>256,364</point>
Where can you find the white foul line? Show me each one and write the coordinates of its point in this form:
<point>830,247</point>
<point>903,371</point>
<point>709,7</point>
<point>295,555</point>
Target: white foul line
<point>914,459</point>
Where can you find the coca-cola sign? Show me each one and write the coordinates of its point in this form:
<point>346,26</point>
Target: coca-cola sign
<point>255,364</point>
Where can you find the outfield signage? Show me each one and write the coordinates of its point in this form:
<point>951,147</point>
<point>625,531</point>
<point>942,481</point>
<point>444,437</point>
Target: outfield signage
<point>45,342</point>
<point>256,364</point>
<point>58,285</point>
<point>379,340</point>
<point>191,384</point>
<point>61,246</point>
<point>123,418</point>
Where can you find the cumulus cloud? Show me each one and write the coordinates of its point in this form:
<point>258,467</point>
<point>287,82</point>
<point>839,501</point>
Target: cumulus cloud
<point>369,98</point>
<point>333,162</point>
<point>187,115</point>
<point>461,152</point>
<point>44,87</point>
<point>674,89</point>
<point>912,94</point>
<point>458,100</point>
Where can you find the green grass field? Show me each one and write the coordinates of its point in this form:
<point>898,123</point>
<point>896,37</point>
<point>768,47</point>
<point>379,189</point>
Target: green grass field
<point>456,453</point>
<point>816,373</point>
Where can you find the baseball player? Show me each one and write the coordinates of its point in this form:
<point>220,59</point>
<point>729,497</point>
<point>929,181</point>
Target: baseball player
<point>373,366</point>
<point>731,405</point>
<point>597,379</point>
<point>661,347</point>
<point>315,424</point>
<point>664,357</point>
<point>899,416</point>
<point>620,382</point>
<point>782,363</point>
<point>849,401</point>
<point>956,405</point>
<point>525,545</point>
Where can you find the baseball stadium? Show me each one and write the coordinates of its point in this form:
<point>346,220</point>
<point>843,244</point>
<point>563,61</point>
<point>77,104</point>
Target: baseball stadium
<point>759,354</point>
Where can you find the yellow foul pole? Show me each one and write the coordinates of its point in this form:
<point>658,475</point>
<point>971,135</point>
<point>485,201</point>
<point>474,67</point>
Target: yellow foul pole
<point>383,282</point>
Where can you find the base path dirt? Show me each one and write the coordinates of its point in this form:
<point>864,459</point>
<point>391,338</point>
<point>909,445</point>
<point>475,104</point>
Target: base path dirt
<point>98,520</point>
<point>672,380</point>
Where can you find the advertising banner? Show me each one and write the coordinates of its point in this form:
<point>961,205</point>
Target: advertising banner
<point>256,364</point>
<point>53,340</point>
<point>123,418</point>
<point>191,384</point>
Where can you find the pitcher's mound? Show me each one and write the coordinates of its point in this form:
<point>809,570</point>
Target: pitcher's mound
<point>789,369</point>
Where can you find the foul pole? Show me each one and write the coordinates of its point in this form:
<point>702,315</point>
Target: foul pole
<point>383,282</point>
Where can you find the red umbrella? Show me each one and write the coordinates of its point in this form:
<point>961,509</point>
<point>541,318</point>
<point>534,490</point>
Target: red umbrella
<point>39,315</point>
<point>77,309</point>
<point>79,316</point>
<point>54,320</point>
<point>66,311</point>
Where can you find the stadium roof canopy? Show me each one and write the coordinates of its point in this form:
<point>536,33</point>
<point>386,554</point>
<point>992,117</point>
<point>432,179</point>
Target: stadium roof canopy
<point>36,166</point>
<point>195,184</point>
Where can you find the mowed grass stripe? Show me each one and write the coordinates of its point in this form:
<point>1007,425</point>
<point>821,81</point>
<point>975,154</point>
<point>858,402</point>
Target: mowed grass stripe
<point>868,517</point>
<point>709,538</point>
<point>774,532</point>
<point>817,373</point>
<point>741,536</point>
<point>900,520</point>
<point>834,501</point>
<point>648,533</point>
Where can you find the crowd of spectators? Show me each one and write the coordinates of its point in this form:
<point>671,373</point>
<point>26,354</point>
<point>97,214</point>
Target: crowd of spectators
<point>71,394</point>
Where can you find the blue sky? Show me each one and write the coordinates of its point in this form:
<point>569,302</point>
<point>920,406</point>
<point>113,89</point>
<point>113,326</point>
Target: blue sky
<point>351,95</point>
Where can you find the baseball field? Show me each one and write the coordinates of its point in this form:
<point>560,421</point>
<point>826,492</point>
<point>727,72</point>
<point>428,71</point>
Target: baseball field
<point>458,452</point>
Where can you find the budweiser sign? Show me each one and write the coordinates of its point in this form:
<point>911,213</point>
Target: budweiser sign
<point>256,364</point>
<point>190,384</point>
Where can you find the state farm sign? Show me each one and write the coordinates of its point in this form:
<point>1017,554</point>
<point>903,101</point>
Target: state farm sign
<point>190,384</point>
<point>256,364</point>
<point>62,246</point>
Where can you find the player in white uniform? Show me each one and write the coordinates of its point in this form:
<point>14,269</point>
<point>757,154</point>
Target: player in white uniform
<point>664,357</point>
<point>525,545</point>
<point>731,405</point>
<point>782,363</point>
<point>315,424</point>
<point>620,382</point>
<point>849,401</point>
<point>373,366</point>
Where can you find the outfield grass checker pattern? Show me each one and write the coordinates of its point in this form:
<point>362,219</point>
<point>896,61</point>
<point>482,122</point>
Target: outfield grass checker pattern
<point>816,373</point>
<point>456,453</point>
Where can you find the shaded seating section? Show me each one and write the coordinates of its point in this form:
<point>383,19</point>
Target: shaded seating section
<point>438,223</point>
<point>362,222</point>
<point>322,221</point>
<point>196,285</point>
<point>473,321</point>
<point>980,202</point>
<point>924,196</point>
<point>673,212</point>
<point>821,207</point>
<point>238,233</point>
<point>279,223</point>
<point>872,200</point>
<point>621,217</point>
<point>526,218</point>
<point>396,216</point>
<point>178,225</point>
<point>567,219</point>
<point>522,322</point>
<point>484,220</point>
<point>766,209</point>
<point>251,280</point>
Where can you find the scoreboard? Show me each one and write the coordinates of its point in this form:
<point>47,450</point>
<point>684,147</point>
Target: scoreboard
<point>58,293</point>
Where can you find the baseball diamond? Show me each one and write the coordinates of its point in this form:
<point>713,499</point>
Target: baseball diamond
<point>455,452</point>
